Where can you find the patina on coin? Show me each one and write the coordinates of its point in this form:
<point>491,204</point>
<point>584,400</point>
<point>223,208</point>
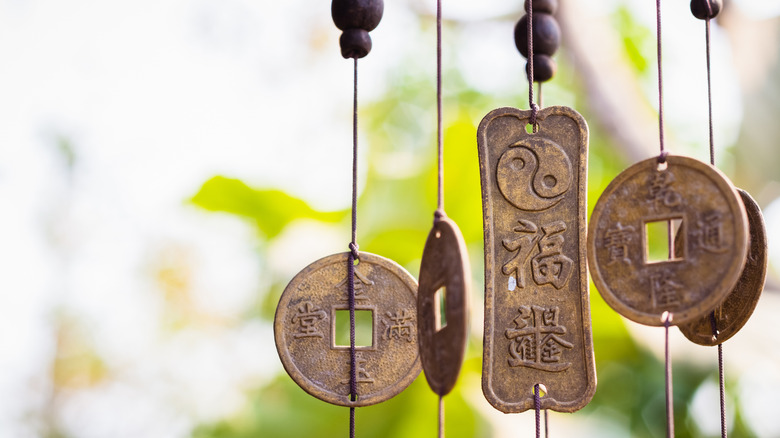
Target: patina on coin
<point>537,315</point>
<point>700,272</point>
<point>444,270</point>
<point>732,314</point>
<point>304,328</point>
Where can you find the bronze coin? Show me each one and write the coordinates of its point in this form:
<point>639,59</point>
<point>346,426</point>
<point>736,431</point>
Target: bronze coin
<point>306,320</point>
<point>689,281</point>
<point>442,305</point>
<point>734,312</point>
<point>537,315</point>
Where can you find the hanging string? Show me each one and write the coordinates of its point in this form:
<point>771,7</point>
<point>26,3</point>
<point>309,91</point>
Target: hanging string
<point>351,258</point>
<point>538,408</point>
<point>441,416</point>
<point>546,425</point>
<point>663,153</point>
<point>721,377</point>
<point>531,104</point>
<point>667,320</point>
<point>709,84</point>
<point>439,127</point>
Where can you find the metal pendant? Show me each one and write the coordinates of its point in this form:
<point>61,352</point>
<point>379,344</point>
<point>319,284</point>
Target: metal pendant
<point>442,305</point>
<point>537,315</point>
<point>732,314</point>
<point>305,329</point>
<point>688,280</point>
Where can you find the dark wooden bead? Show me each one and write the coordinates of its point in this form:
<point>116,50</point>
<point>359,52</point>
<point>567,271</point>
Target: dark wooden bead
<point>700,10</point>
<point>355,43</point>
<point>546,6</point>
<point>547,35</point>
<point>357,14</point>
<point>544,68</point>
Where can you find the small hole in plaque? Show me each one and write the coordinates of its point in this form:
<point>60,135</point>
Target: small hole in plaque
<point>532,128</point>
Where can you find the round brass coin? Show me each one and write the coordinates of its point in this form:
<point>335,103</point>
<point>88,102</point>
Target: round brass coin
<point>736,309</point>
<point>312,308</point>
<point>687,282</point>
<point>442,305</point>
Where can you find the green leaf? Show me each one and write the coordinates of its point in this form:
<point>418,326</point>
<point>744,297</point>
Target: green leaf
<point>271,210</point>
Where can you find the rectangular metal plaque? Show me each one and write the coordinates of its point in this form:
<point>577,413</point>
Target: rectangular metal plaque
<point>537,314</point>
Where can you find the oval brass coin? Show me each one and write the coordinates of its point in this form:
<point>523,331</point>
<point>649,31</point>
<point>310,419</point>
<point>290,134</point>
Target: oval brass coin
<point>736,309</point>
<point>305,329</point>
<point>442,305</point>
<point>688,282</point>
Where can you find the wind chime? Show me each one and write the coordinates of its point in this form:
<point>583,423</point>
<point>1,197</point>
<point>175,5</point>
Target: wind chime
<point>713,272</point>
<point>306,317</point>
<point>538,347</point>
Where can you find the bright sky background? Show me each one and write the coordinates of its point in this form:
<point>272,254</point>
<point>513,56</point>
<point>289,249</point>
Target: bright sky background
<point>157,97</point>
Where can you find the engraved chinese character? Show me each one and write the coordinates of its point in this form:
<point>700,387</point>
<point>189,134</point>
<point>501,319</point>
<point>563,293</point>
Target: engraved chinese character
<point>361,375</point>
<point>535,342</point>
<point>307,317</point>
<point>523,245</point>
<point>660,192</point>
<point>710,232</point>
<point>400,326</point>
<point>616,241</point>
<point>361,285</point>
<point>550,266</point>
<point>664,289</point>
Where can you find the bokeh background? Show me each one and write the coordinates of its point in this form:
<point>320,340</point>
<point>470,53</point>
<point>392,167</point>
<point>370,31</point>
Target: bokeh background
<point>167,166</point>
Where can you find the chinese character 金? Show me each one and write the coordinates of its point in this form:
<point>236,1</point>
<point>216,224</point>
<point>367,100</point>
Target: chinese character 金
<point>535,342</point>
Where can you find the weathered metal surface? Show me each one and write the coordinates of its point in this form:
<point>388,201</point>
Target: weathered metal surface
<point>444,268</point>
<point>732,314</point>
<point>706,266</point>
<point>537,315</point>
<point>304,327</point>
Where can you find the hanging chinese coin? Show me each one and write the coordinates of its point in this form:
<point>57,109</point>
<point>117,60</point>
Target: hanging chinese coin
<point>305,329</point>
<point>442,298</point>
<point>685,195</point>
<point>732,314</point>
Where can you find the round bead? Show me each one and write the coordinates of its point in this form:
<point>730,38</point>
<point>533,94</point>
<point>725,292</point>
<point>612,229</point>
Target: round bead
<point>547,35</point>
<point>357,14</point>
<point>546,6</point>
<point>544,68</point>
<point>355,43</point>
<point>702,12</point>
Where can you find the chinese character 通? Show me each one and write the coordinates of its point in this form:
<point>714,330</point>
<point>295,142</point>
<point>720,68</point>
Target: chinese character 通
<point>710,232</point>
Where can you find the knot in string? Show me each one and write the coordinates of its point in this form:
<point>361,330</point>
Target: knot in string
<point>662,157</point>
<point>534,112</point>
<point>353,247</point>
